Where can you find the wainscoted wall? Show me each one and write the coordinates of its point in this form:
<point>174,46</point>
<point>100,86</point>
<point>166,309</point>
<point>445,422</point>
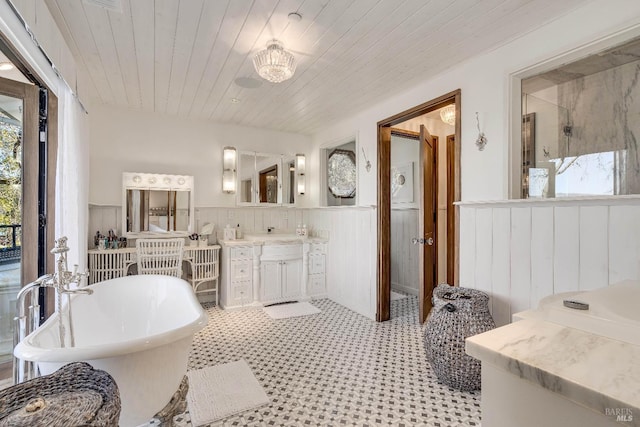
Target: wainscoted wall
<point>404,255</point>
<point>351,255</point>
<point>351,252</point>
<point>521,251</point>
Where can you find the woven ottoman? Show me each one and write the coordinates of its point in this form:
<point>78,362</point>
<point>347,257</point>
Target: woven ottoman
<point>74,395</point>
<point>457,313</point>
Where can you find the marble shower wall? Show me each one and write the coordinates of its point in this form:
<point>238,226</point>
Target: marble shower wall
<point>604,113</point>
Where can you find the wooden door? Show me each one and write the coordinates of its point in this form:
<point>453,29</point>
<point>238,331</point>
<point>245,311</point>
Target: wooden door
<point>451,209</point>
<point>426,222</point>
<point>30,223</point>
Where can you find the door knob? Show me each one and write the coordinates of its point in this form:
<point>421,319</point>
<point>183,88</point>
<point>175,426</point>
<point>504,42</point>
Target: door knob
<point>428,242</point>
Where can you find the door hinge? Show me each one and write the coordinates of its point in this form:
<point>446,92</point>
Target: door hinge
<point>42,221</point>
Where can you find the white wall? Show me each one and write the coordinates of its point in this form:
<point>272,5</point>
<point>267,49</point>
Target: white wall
<point>484,81</point>
<point>521,251</point>
<point>132,141</point>
<point>485,84</point>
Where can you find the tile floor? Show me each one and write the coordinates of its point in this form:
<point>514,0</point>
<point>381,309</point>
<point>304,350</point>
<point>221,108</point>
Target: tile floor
<point>334,368</point>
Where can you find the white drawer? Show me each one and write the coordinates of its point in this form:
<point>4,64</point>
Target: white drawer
<point>242,252</point>
<point>317,284</point>
<point>316,264</point>
<point>318,248</point>
<point>240,270</point>
<point>241,291</point>
<point>281,252</point>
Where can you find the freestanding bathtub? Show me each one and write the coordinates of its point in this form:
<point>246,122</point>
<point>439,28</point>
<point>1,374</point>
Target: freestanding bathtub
<point>139,329</point>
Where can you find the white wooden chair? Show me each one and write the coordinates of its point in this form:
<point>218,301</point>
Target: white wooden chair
<point>160,256</point>
<point>205,268</point>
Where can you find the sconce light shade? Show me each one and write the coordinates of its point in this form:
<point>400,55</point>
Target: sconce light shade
<point>300,172</point>
<point>229,161</point>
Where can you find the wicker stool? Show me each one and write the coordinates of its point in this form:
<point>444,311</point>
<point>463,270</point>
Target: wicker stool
<point>457,313</point>
<point>74,395</point>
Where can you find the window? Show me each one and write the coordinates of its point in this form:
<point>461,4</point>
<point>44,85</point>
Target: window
<point>580,127</point>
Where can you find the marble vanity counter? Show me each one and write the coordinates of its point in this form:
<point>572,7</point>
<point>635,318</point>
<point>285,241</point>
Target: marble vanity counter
<point>273,241</point>
<point>596,372</point>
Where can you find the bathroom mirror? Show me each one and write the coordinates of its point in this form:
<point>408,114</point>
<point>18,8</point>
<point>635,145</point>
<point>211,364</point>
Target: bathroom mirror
<point>268,167</point>
<point>246,177</point>
<point>157,204</point>
<point>265,179</point>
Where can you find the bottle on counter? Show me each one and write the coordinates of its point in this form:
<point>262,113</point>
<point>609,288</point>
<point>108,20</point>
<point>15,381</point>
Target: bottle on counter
<point>229,233</point>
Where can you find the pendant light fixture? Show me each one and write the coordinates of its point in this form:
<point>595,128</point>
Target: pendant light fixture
<point>448,114</point>
<point>275,64</point>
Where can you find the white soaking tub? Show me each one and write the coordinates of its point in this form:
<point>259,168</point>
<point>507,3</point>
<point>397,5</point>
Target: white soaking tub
<point>612,311</point>
<point>139,329</point>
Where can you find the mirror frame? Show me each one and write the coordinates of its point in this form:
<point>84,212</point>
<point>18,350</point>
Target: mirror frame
<point>160,182</point>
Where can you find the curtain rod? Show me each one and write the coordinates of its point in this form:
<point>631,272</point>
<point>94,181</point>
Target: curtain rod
<point>46,57</point>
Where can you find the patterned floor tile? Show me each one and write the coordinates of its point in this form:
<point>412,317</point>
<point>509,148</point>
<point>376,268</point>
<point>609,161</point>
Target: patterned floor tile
<point>335,368</point>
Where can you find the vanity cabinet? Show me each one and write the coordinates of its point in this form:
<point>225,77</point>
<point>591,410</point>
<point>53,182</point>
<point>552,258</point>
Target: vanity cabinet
<point>257,273</point>
<point>237,276</point>
<point>281,273</point>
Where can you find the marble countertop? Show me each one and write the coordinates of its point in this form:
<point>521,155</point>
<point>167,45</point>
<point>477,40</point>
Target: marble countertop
<point>283,241</point>
<point>591,370</point>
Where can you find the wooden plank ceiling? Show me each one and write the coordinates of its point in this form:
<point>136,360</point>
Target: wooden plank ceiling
<point>182,57</point>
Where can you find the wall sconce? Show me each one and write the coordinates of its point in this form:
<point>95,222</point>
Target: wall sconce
<point>300,170</point>
<point>229,161</point>
<point>481,141</point>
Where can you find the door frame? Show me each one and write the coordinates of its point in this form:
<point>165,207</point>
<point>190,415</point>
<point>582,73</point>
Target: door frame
<point>48,262</point>
<point>383,285</point>
<point>36,259</point>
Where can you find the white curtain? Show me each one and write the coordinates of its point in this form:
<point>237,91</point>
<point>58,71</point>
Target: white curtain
<point>72,177</point>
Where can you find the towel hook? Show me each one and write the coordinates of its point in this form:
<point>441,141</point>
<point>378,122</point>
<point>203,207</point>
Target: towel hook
<point>367,162</point>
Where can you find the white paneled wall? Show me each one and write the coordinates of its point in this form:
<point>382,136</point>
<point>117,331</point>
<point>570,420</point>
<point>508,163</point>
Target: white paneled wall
<point>404,254</point>
<point>521,251</point>
<point>351,254</point>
